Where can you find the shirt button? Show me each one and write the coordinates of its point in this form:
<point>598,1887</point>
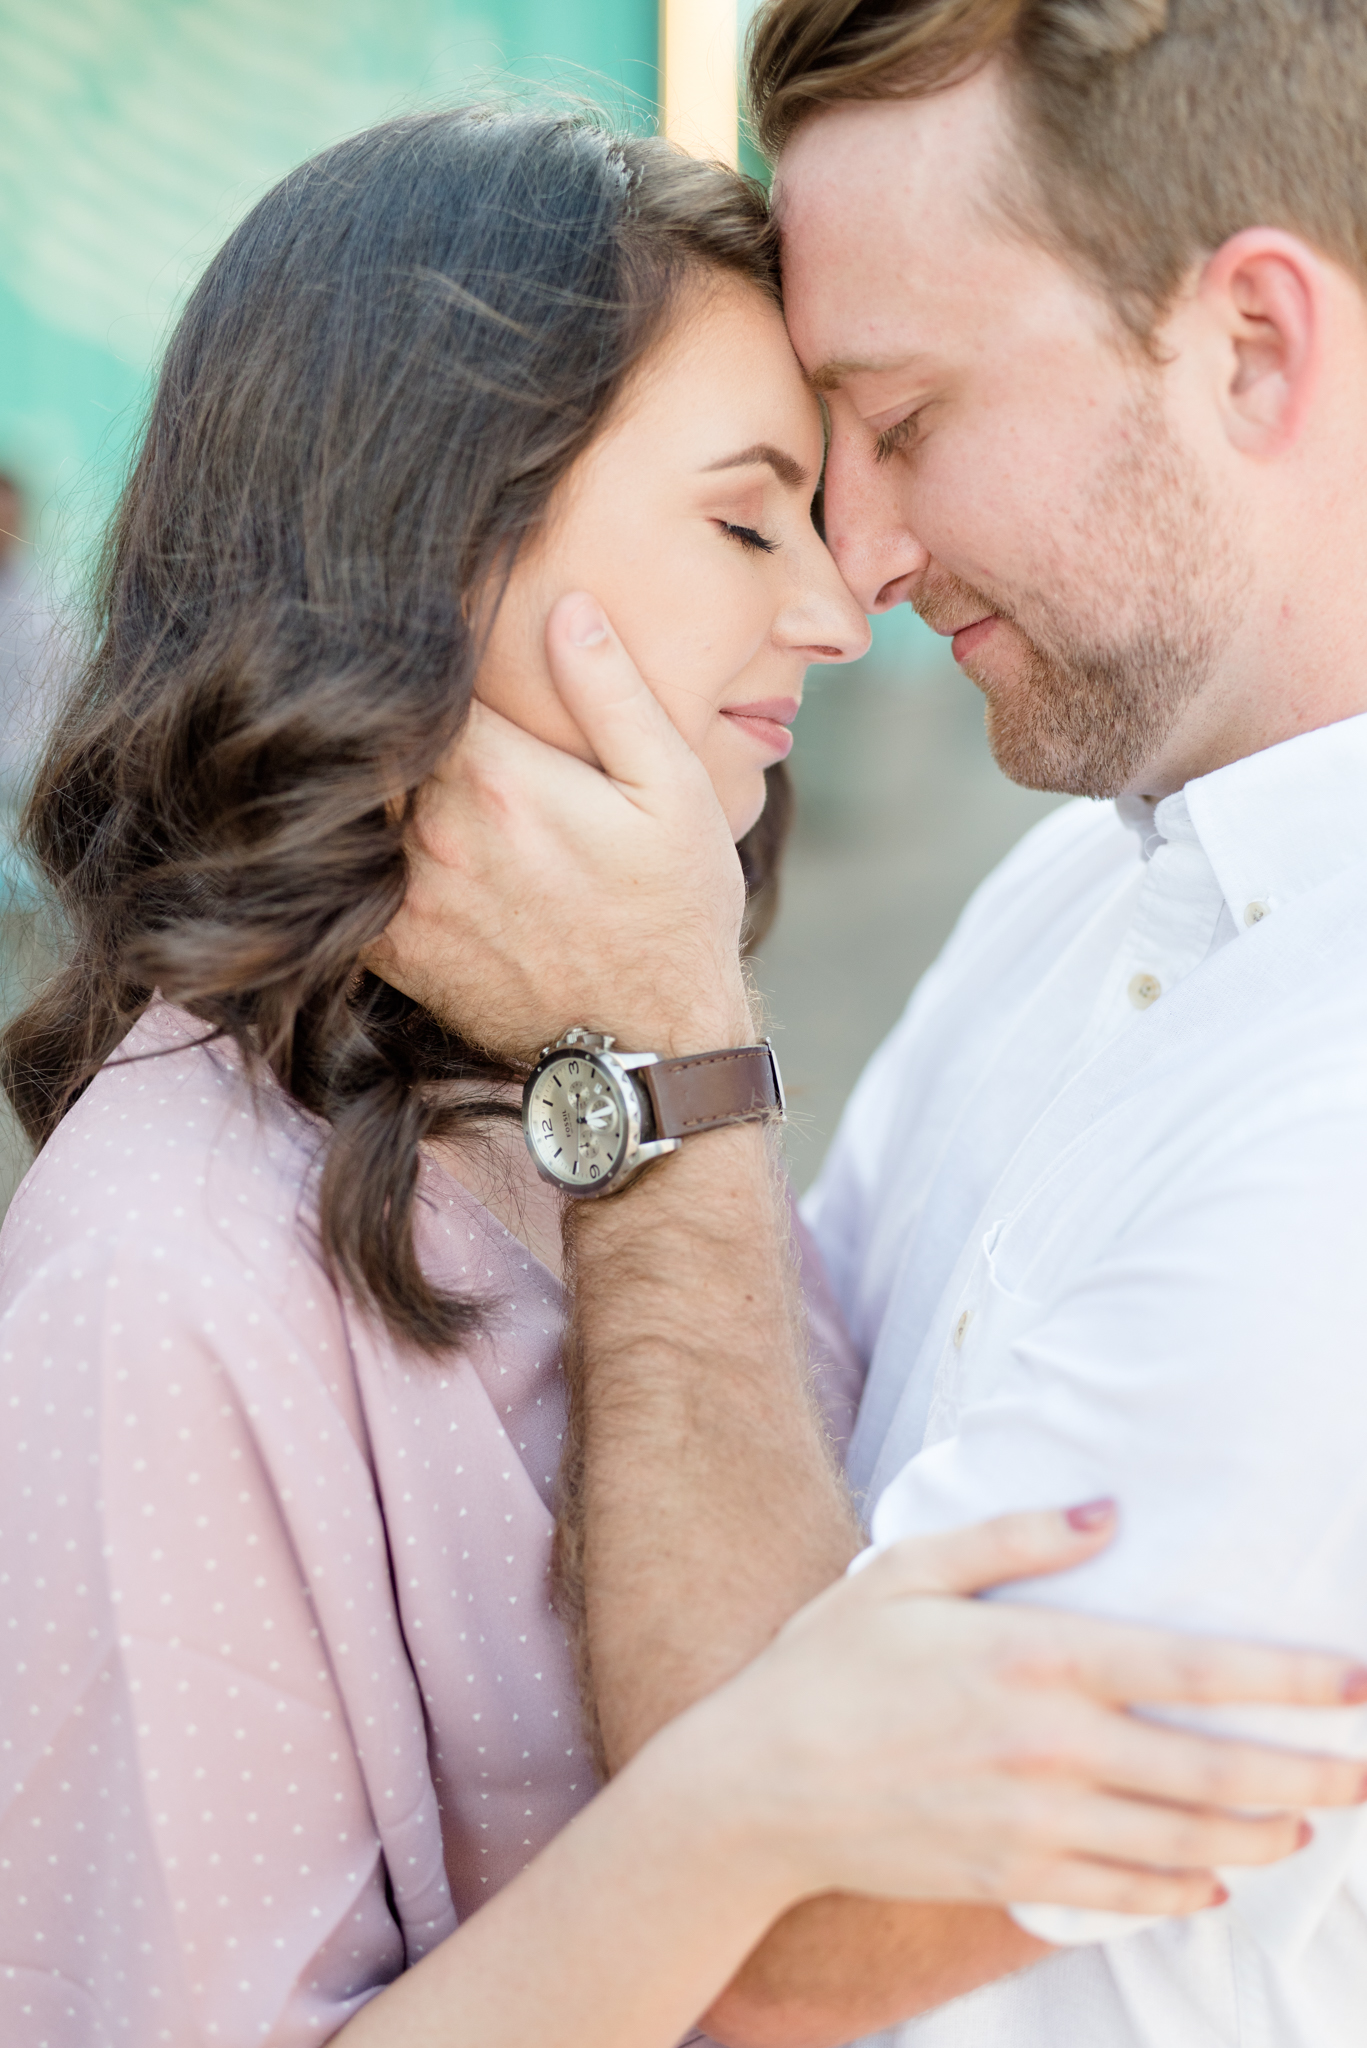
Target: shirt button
<point>1145,989</point>
<point>961,1328</point>
<point>1254,913</point>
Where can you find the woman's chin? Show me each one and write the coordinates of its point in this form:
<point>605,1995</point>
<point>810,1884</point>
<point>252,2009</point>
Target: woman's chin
<point>743,809</point>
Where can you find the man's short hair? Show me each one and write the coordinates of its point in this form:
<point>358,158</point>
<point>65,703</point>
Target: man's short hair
<point>1153,130</point>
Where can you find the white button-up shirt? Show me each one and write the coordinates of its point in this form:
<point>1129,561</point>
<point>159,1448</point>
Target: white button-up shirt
<point>1097,1214</point>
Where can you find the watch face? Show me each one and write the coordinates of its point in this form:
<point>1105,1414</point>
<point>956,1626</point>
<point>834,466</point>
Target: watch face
<point>576,1120</point>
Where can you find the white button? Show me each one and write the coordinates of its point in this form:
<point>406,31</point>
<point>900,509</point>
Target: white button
<point>1254,913</point>
<point>1145,989</point>
<point>961,1328</point>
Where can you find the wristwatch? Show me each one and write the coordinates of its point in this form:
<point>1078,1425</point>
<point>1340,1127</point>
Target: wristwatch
<point>593,1117</point>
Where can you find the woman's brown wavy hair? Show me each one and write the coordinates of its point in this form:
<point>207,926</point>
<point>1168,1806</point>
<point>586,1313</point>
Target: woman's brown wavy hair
<point>361,420</point>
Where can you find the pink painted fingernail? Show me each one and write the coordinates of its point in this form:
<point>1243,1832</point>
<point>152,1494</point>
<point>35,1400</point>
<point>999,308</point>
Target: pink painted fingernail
<point>1355,1685</point>
<point>1305,1834</point>
<point>1220,1895</point>
<point>1089,1515</point>
<point>588,627</point>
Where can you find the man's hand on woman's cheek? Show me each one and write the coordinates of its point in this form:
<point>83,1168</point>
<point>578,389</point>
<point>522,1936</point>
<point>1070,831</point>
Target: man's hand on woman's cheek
<point>544,892</point>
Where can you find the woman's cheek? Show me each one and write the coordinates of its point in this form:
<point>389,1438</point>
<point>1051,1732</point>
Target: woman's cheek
<point>691,712</point>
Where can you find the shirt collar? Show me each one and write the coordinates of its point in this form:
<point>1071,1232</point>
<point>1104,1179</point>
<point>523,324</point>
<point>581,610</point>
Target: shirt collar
<point>1276,824</point>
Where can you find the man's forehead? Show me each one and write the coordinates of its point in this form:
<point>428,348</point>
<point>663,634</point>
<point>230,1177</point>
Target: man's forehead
<point>939,153</point>
<point>899,255</point>
<point>879,205</point>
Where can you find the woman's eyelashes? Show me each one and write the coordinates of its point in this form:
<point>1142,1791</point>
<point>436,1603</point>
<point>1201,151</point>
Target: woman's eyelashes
<point>897,436</point>
<point>748,538</point>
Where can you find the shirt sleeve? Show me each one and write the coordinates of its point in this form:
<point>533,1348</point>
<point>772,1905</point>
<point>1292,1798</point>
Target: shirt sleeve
<point>1208,1368</point>
<point>187,1850</point>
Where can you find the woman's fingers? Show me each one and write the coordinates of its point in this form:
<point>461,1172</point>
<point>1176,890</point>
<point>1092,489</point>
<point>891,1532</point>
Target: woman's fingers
<point>1161,1763</point>
<point>983,1554</point>
<point>1136,1831</point>
<point>1116,1661</point>
<point>1106,1887</point>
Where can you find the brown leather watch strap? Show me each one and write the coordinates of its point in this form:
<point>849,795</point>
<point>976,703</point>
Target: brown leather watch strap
<point>704,1090</point>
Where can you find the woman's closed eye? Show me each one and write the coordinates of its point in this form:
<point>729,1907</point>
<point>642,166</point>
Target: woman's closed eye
<point>748,537</point>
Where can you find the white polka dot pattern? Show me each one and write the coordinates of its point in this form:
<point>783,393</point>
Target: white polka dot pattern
<point>284,1692</point>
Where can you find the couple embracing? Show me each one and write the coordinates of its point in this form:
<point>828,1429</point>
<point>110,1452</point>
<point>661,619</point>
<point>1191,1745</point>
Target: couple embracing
<point>430,1589</point>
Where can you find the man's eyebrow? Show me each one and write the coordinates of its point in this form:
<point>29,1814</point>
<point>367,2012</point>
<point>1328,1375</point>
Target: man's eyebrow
<point>832,375</point>
<point>785,467</point>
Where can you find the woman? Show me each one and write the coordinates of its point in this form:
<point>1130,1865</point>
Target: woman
<point>280,1297</point>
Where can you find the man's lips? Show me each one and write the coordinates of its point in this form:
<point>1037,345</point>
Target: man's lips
<point>968,637</point>
<point>767,722</point>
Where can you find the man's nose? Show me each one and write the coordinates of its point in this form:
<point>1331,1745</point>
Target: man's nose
<point>867,529</point>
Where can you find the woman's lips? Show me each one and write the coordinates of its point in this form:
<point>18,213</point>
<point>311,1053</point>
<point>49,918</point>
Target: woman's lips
<point>766,722</point>
<point>969,637</point>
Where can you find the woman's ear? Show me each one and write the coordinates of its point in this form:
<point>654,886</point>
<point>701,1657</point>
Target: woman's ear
<point>1265,293</point>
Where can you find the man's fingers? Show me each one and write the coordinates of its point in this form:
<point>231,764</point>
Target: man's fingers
<point>991,1553</point>
<point>619,715</point>
<point>488,774</point>
<point>490,748</point>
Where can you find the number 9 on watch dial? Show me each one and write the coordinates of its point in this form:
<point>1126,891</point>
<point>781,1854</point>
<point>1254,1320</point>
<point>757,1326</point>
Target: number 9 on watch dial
<point>577,1120</point>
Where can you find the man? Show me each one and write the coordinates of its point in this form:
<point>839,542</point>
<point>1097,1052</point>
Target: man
<point>1083,282</point>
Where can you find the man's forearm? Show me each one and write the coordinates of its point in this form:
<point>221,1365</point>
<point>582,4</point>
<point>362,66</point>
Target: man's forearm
<point>703,1505</point>
<point>702,1509</point>
<point>839,1967</point>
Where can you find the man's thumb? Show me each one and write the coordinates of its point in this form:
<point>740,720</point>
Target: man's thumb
<point>601,688</point>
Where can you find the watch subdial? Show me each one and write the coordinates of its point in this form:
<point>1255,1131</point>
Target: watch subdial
<point>598,1125</point>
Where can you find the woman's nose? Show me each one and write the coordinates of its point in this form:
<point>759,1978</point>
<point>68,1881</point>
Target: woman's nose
<point>826,621</point>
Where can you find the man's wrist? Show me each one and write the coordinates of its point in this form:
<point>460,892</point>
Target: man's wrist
<point>730,1018</point>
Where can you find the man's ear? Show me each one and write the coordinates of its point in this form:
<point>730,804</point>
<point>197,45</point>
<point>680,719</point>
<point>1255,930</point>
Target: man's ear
<point>1266,294</point>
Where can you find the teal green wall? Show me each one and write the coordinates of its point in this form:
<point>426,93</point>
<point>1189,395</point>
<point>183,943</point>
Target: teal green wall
<point>133,133</point>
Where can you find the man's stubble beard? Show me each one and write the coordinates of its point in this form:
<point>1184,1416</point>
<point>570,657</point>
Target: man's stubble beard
<point>1084,715</point>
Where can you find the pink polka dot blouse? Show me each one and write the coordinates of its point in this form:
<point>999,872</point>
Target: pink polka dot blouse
<point>283,1694</point>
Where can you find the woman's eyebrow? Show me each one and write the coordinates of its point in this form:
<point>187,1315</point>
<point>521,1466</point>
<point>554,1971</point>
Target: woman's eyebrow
<point>786,468</point>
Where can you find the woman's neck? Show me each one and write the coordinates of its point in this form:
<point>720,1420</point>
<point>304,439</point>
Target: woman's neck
<point>490,1161</point>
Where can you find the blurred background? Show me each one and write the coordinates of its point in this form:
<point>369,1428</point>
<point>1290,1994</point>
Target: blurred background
<point>133,134</point>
